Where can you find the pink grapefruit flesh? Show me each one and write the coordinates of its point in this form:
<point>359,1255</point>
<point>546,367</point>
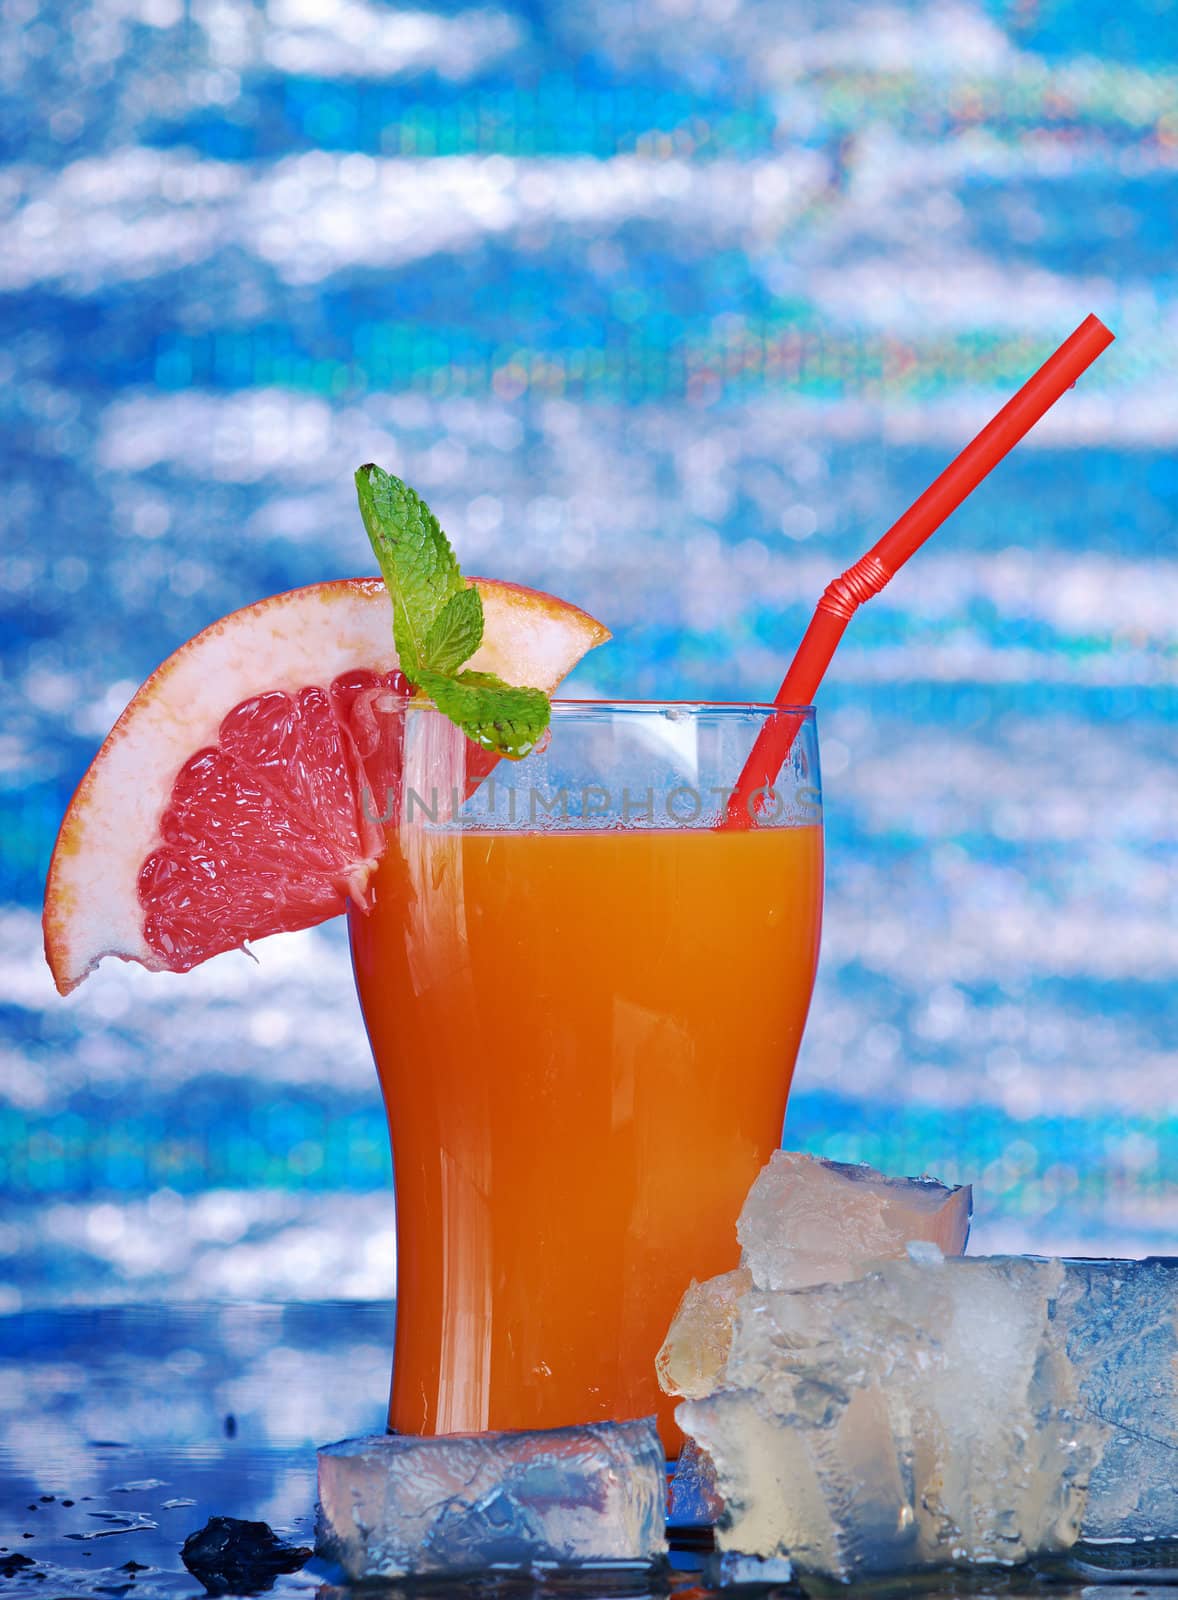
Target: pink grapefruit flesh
<point>226,802</point>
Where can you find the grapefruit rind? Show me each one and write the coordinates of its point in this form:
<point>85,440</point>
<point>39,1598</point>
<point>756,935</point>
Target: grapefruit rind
<point>287,641</point>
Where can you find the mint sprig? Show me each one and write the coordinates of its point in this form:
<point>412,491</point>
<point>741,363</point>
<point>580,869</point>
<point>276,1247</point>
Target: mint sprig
<point>489,711</point>
<point>438,620</point>
<point>456,633</point>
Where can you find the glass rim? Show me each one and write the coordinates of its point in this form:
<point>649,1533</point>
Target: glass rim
<point>723,707</point>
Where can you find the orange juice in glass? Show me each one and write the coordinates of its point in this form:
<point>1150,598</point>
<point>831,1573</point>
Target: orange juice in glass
<point>585,1002</point>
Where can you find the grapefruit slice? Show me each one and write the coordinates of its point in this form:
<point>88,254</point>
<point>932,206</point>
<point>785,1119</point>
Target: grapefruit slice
<point>226,803</point>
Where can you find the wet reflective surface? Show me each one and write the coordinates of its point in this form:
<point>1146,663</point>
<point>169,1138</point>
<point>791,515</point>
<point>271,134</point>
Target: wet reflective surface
<point>123,1430</point>
<point>143,1422</point>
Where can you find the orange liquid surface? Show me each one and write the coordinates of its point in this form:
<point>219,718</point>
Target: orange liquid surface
<point>585,1044</point>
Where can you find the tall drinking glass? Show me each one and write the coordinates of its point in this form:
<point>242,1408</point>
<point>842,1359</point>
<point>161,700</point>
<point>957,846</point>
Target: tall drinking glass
<point>585,1002</point>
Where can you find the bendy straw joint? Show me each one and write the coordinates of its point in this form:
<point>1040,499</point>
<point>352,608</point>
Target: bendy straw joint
<point>844,594</point>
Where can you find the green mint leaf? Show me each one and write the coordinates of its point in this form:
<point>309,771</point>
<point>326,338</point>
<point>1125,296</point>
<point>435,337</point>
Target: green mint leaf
<point>489,711</point>
<point>438,620</point>
<point>416,561</point>
<point>456,633</point>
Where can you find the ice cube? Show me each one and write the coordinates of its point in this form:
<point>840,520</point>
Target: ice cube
<point>726,1570</point>
<point>398,1505</point>
<point>1120,1322</point>
<point>807,1220</point>
<point>926,1415</point>
<point>694,1498</point>
<point>694,1354</point>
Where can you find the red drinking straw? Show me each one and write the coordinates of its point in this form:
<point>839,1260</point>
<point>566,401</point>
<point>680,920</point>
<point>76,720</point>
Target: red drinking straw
<point>869,574</point>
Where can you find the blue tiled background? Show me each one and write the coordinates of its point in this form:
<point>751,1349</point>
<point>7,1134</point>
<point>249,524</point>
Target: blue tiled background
<point>670,308</point>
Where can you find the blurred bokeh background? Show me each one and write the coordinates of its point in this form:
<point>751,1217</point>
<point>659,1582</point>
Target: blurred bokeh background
<point>670,308</point>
